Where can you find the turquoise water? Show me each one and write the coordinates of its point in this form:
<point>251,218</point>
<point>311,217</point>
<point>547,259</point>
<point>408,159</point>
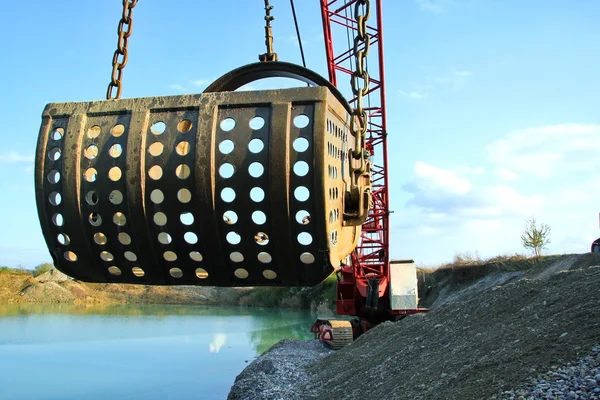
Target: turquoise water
<point>134,352</point>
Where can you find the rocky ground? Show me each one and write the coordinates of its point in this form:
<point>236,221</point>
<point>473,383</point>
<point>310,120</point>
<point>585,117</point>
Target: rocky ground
<point>56,287</point>
<point>510,334</point>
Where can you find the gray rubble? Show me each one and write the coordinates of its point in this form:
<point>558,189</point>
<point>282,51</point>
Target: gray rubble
<point>490,342</point>
<point>573,381</point>
<point>279,372</point>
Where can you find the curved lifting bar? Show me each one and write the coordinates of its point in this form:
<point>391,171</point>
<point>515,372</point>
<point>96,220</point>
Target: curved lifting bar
<point>249,73</point>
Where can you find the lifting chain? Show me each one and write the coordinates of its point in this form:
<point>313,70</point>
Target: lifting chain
<point>119,60</point>
<point>270,55</point>
<point>360,77</point>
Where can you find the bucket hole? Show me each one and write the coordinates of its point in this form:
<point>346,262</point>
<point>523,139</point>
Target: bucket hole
<point>304,238</point>
<point>169,256</point>
<point>185,125</point>
<point>160,219</point>
<point>228,195</point>
<point>58,220</point>
<point>70,256</point>
<point>124,238</point>
<point>91,198</point>
<point>55,198</point>
<point>261,238</point>
<point>184,195</point>
<point>95,219</point>
<point>182,171</point>
<point>226,170</point>
<point>301,168</point>
<point>176,273</point>
<point>164,238</point>
<point>157,196</point>
<point>186,218</point>
<point>201,273</point>
<point>196,256</point>
<point>115,197</point>
<point>307,258</point>
<point>301,121</point>
<point>257,122</point>
<point>227,124</point>
<point>158,128</point>
<point>300,144</point>
<point>236,257</point>
<point>57,134</point>
<point>269,274</point>
<point>301,193</point>
<point>130,256</point>
<point>100,238</point>
<point>256,169</point>
<point>106,256</point>
<point>233,238</point>
<point>264,257</point>
<point>119,219</point>
<point>257,194</point>
<point>155,172</point>
<point>114,270</point>
<point>156,149</point>
<point>302,217</point>
<point>259,217</point>
<point>230,217</point>
<point>137,271</point>
<point>54,154</point>
<point>114,174</point>
<point>226,146</point>
<point>190,237</point>
<point>63,239</point>
<point>93,132</point>
<point>117,130</point>
<point>256,146</point>
<point>91,175</point>
<point>241,273</point>
<point>54,176</point>
<point>115,150</point>
<point>183,148</point>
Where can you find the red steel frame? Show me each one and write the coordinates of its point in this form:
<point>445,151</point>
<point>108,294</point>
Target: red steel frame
<point>371,257</point>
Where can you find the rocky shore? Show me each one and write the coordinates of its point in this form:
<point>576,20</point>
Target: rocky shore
<point>528,335</point>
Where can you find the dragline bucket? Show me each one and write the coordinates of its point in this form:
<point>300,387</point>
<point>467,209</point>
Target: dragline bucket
<point>220,189</point>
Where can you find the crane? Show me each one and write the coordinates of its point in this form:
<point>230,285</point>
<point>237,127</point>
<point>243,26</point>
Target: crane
<point>224,188</point>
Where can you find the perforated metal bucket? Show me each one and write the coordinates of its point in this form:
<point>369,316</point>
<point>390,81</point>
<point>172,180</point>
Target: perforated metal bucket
<point>221,189</point>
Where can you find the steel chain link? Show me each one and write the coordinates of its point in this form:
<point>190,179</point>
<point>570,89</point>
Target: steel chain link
<point>121,55</point>
<point>360,77</point>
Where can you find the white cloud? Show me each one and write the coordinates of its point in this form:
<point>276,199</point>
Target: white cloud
<point>15,158</point>
<point>444,180</point>
<point>548,151</point>
<point>507,175</point>
<point>201,82</point>
<point>443,191</point>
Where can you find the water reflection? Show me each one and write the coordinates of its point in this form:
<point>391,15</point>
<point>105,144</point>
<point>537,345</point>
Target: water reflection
<point>217,342</point>
<point>144,351</point>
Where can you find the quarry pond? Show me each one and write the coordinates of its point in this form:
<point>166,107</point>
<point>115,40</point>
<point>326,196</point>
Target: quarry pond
<point>134,351</point>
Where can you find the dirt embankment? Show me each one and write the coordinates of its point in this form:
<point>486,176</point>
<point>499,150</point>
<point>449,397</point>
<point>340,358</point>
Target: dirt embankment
<point>55,287</point>
<point>490,330</point>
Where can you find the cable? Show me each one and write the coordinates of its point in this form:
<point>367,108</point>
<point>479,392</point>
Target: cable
<point>298,33</point>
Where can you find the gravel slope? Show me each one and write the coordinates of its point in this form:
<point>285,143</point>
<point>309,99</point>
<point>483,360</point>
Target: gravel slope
<point>483,341</point>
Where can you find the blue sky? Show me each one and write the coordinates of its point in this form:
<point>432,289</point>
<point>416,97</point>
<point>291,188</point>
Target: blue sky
<point>493,106</point>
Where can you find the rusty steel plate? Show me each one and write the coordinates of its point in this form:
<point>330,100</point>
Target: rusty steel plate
<point>219,189</point>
